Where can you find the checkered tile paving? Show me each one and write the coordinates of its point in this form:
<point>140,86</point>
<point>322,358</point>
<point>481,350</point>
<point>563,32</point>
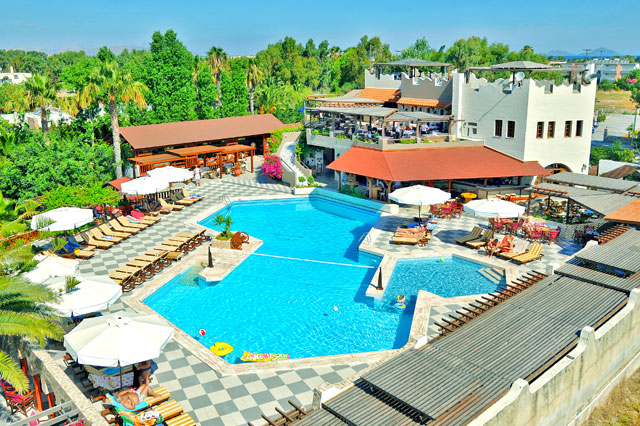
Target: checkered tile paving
<point>233,400</point>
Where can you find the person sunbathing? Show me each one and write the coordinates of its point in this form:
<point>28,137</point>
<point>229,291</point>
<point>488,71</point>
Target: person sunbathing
<point>491,247</point>
<point>130,398</point>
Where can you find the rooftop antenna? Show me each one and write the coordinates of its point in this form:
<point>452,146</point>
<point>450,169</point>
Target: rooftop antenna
<point>586,53</point>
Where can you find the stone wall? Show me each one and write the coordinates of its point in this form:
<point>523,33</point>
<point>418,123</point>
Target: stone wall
<point>568,392</point>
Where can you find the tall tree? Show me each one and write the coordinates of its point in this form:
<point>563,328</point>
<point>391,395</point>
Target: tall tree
<point>170,79</point>
<point>254,78</point>
<point>234,92</point>
<point>23,313</point>
<point>109,80</point>
<point>218,62</point>
<point>206,91</point>
<point>41,93</point>
<point>105,55</point>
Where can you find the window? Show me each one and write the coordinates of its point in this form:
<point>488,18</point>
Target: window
<point>578,128</point>
<point>498,128</point>
<point>540,130</point>
<point>551,130</point>
<point>511,129</point>
<point>567,129</point>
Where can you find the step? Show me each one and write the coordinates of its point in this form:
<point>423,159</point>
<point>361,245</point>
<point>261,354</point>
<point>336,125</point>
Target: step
<point>495,275</point>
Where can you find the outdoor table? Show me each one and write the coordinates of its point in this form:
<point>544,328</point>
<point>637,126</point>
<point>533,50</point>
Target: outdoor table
<point>111,382</point>
<point>468,196</point>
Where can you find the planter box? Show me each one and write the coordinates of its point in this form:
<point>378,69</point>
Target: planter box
<point>225,244</point>
<point>304,190</point>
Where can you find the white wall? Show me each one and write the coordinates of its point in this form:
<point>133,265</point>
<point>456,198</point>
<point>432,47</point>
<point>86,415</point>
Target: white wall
<point>386,81</point>
<point>482,102</point>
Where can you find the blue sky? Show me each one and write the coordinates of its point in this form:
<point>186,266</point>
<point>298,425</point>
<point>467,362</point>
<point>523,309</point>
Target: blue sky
<point>243,27</point>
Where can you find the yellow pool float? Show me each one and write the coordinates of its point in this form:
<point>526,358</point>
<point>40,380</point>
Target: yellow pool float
<point>221,348</point>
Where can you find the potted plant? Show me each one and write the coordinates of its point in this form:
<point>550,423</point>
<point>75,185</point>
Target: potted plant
<point>237,169</point>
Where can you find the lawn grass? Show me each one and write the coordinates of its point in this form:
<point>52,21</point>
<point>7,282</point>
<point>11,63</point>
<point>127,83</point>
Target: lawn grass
<point>614,101</point>
<point>622,407</point>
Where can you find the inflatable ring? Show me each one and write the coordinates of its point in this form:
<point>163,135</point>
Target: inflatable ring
<point>221,348</point>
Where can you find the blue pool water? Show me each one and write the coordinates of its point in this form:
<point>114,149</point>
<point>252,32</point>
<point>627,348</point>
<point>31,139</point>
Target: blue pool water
<point>273,304</point>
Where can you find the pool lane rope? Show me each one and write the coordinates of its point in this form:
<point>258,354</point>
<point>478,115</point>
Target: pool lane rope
<point>315,261</point>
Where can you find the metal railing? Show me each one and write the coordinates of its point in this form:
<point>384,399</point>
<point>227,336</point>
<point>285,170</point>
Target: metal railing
<point>63,413</point>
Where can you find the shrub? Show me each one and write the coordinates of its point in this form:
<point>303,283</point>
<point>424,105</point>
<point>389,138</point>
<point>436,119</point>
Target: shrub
<point>301,179</point>
<point>272,167</point>
<point>353,191</point>
<point>601,118</point>
<point>311,180</point>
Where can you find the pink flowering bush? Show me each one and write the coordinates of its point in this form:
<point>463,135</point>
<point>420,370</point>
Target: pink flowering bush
<point>272,167</point>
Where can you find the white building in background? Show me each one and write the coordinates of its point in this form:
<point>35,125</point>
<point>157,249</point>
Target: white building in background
<point>528,119</point>
<point>609,69</point>
<point>12,77</point>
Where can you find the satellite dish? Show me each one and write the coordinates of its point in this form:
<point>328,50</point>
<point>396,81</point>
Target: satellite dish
<point>519,76</point>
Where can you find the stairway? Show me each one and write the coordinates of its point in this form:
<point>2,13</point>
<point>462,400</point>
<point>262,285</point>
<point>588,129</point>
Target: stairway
<point>495,275</point>
<point>288,155</point>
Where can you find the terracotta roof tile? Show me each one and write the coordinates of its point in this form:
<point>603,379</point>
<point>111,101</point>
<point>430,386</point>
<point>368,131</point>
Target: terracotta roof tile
<point>433,103</point>
<point>116,183</point>
<point>433,164</point>
<point>627,214</point>
<point>384,95</point>
<point>174,134</point>
<point>620,172</point>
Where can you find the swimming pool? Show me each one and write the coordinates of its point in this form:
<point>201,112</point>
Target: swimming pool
<point>285,304</point>
<point>444,276</point>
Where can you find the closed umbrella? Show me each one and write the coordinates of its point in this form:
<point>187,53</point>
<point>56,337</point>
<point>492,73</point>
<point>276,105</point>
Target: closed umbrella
<point>62,219</point>
<point>118,339</point>
<point>93,294</point>
<point>143,186</point>
<point>419,195</point>
<point>493,207</point>
<point>171,174</point>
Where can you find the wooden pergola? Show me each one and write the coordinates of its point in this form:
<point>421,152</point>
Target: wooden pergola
<point>191,154</point>
<point>150,162</point>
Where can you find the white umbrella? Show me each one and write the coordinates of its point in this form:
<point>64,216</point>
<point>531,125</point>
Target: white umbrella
<point>171,174</point>
<point>118,339</point>
<point>52,266</point>
<point>143,186</point>
<point>62,218</point>
<point>419,195</point>
<point>493,207</point>
<point>93,294</point>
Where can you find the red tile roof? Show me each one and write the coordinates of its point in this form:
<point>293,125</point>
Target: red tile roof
<point>627,214</point>
<point>433,103</point>
<point>116,183</point>
<point>433,164</point>
<point>184,132</point>
<point>383,95</point>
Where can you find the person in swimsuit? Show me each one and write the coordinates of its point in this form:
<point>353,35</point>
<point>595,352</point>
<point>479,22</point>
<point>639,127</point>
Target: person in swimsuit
<point>144,370</point>
<point>130,398</point>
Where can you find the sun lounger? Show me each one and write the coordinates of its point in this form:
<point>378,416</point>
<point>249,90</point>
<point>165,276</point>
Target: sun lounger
<point>118,227</point>
<point>132,223</point>
<point>172,252</point>
<point>141,216</point>
<point>534,253</point>
<point>411,238</point>
<point>127,281</point>
<point>166,205</point>
<point>104,228</point>
<point>181,201</point>
<point>169,409</point>
<point>519,247</point>
<point>183,419</point>
<point>98,235</point>
<point>480,242</point>
<point>473,235</point>
<point>93,242</point>
<point>195,197</point>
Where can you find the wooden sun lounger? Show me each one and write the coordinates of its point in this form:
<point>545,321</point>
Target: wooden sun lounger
<point>473,235</point>
<point>163,395</point>
<point>128,224</point>
<point>488,235</point>
<point>127,281</point>
<point>104,228</point>
<point>182,201</point>
<point>166,205</point>
<point>519,247</point>
<point>183,419</point>
<point>534,253</point>
<point>171,252</point>
<point>148,218</point>
<point>116,225</point>
<point>169,409</point>
<point>186,193</point>
<point>97,243</point>
<point>95,232</point>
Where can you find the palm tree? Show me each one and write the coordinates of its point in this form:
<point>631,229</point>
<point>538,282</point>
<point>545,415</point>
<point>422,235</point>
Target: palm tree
<point>254,77</point>
<point>23,313</point>
<point>218,61</point>
<point>40,93</point>
<point>117,85</point>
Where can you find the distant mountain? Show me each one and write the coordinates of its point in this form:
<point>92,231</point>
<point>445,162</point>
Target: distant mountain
<point>593,53</point>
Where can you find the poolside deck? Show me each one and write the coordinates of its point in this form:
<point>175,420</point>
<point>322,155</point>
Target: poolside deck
<point>212,399</point>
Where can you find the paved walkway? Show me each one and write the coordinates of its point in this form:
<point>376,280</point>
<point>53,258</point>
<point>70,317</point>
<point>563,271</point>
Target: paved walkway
<point>232,400</point>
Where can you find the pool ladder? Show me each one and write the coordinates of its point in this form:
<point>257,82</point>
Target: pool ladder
<point>366,237</point>
<point>224,199</point>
